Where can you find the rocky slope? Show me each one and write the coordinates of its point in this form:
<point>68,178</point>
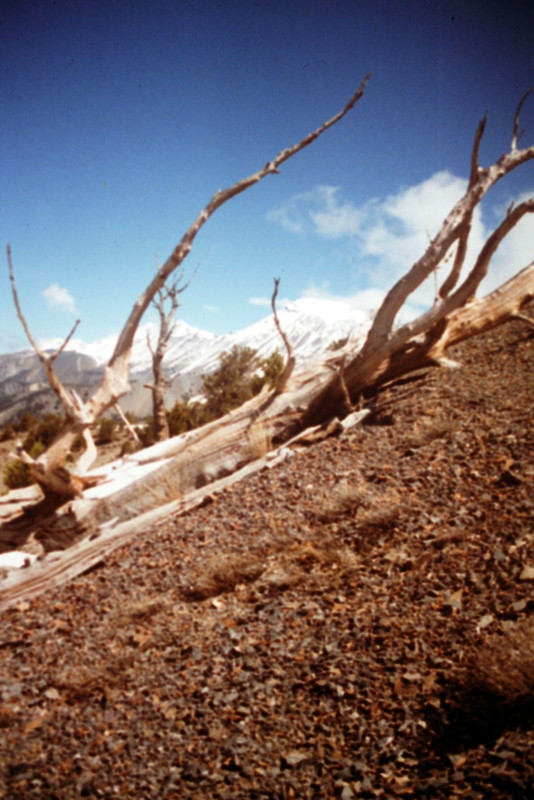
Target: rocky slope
<point>356,622</point>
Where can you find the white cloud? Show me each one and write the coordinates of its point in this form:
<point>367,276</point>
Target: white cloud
<point>366,301</point>
<point>336,218</point>
<point>59,299</point>
<point>212,309</point>
<point>259,301</point>
<point>386,236</point>
<point>321,210</point>
<point>265,302</point>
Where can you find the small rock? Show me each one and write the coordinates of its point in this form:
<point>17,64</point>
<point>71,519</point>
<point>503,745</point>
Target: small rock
<point>295,757</point>
<point>486,620</point>
<point>527,574</point>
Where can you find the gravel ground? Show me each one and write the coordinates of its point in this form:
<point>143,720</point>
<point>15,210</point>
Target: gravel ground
<point>354,623</point>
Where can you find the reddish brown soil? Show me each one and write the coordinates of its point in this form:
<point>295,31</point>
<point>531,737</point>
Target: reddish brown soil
<point>356,622</point>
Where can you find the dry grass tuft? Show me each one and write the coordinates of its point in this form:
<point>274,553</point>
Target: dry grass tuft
<point>222,575</point>
<point>325,552</point>
<point>259,440</point>
<point>80,684</point>
<point>368,506</point>
<point>140,610</point>
<point>381,516</point>
<point>426,431</point>
<point>346,498</point>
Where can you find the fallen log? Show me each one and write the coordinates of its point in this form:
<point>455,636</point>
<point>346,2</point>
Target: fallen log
<point>329,388</point>
<point>56,568</point>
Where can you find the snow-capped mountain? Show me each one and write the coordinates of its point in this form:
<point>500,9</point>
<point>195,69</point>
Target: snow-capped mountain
<point>311,326</point>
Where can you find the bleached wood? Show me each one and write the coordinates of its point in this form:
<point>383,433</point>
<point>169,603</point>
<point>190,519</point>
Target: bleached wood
<point>127,424</point>
<point>290,358</point>
<point>325,388</point>
<point>166,328</point>
<point>115,382</point>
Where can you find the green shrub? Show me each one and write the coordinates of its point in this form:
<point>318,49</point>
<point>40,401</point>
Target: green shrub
<point>239,376</point>
<point>44,432</point>
<point>105,432</point>
<point>230,385</point>
<point>7,433</point>
<point>271,369</point>
<point>146,434</point>
<point>16,475</point>
<point>26,422</point>
<point>185,416</point>
<point>129,446</point>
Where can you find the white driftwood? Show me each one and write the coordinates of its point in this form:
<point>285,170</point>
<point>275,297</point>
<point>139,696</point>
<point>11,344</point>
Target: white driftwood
<point>115,383</point>
<point>323,390</point>
<point>56,569</point>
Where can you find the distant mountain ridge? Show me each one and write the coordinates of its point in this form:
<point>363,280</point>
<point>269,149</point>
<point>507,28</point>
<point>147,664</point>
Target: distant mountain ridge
<point>311,325</point>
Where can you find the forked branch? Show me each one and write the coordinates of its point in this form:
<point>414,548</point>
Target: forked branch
<point>183,248</point>
<point>454,231</point>
<point>68,400</point>
<point>517,133</point>
<point>166,315</point>
<point>290,361</point>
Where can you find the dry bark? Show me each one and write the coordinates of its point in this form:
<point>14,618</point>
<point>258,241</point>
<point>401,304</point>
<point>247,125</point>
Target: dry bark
<point>324,389</point>
<point>166,327</point>
<point>115,383</point>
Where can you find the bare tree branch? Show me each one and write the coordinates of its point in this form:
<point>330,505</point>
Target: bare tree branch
<point>481,266</point>
<point>183,248</point>
<point>452,279</point>
<point>517,134</point>
<point>166,328</point>
<point>475,168</point>
<point>65,342</point>
<point>89,455</point>
<point>68,400</point>
<point>524,318</point>
<point>290,362</point>
<point>126,422</point>
<point>453,229</point>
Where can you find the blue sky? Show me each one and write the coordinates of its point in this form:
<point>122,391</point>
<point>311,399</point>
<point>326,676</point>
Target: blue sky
<point>120,119</point>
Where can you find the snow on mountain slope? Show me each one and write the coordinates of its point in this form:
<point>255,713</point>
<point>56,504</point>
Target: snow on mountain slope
<point>186,343</point>
<point>311,326</point>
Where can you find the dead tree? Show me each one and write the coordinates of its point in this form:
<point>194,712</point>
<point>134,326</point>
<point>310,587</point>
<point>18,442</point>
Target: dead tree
<point>166,295</point>
<point>48,469</point>
<point>311,396</point>
<point>456,314</point>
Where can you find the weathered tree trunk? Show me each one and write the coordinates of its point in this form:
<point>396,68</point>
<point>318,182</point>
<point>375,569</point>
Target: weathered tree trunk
<point>375,366</point>
<point>315,395</point>
<point>48,470</point>
<point>157,390</point>
<point>166,327</point>
<point>161,427</point>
